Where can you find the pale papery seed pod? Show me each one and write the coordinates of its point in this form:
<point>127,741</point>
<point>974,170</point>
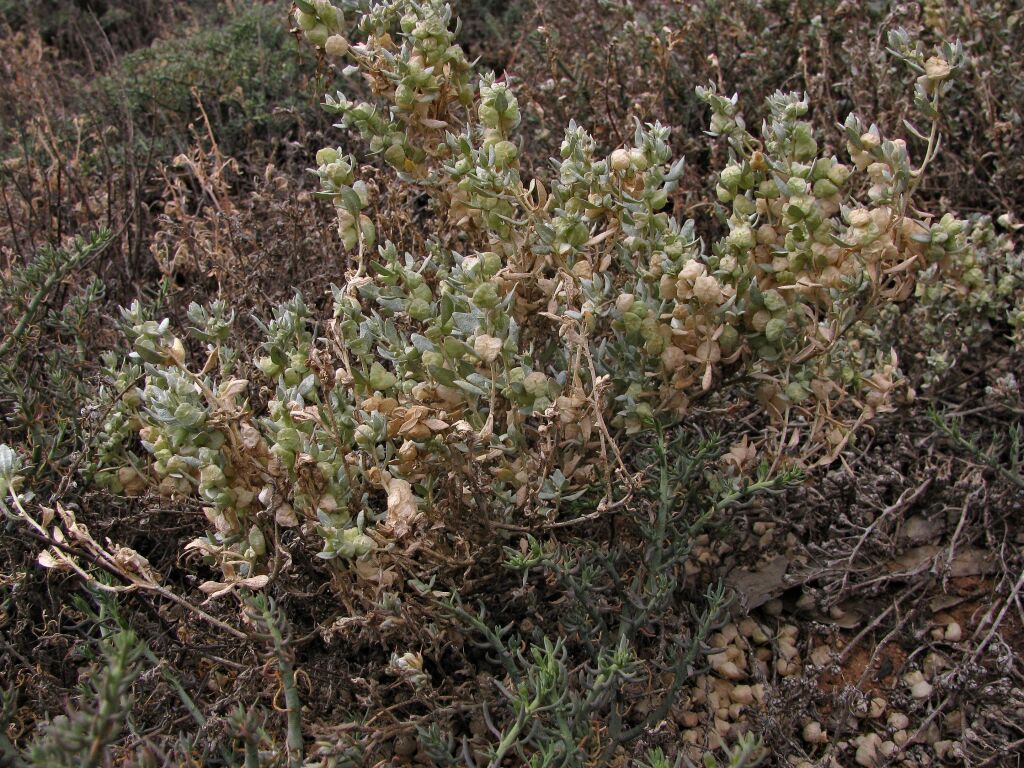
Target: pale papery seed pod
<point>870,140</point>
<point>937,68</point>
<point>760,319</point>
<point>619,160</point>
<point>487,348</point>
<point>860,218</point>
<point>336,46</point>
<point>667,287</point>
<point>691,271</point>
<point>673,358</point>
<point>860,158</point>
<point>318,35</point>
<point>536,384</point>
<point>177,351</point>
<point>766,234</point>
<point>707,290</point>
<point>709,352</point>
<point>583,269</point>
<point>684,289</point>
<point>882,217</point>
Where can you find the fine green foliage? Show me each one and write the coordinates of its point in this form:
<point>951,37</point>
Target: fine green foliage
<point>82,737</point>
<point>41,390</point>
<point>247,68</point>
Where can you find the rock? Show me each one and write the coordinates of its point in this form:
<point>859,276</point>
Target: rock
<point>953,632</point>
<point>742,694</point>
<point>921,690</point>
<point>877,707</point>
<point>867,751</point>
<point>898,721</point>
<point>813,733</point>
<point>943,748</point>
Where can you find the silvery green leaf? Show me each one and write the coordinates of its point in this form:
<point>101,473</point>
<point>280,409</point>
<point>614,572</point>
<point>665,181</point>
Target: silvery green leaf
<point>393,304</point>
<point>472,389</point>
<point>914,132</point>
<point>10,462</point>
<point>422,343</point>
<point>350,200</point>
<point>467,322</point>
<point>441,375</point>
<point>10,465</point>
<point>307,385</point>
<point>479,381</point>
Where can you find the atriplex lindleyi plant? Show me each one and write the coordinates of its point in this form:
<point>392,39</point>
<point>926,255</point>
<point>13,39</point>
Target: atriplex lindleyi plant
<point>577,310</point>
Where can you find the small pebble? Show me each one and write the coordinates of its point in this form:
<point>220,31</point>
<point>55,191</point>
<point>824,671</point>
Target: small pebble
<point>821,655</point>
<point>785,668</point>
<point>405,745</point>
<point>919,687</point>
<point>813,734</point>
<point>898,721</point>
<point>730,632</point>
<point>866,755</point>
<point>954,721</point>
<point>789,630</point>
<point>921,690</point>
<point>877,707</point>
<point>742,694</point>
<point>787,650</point>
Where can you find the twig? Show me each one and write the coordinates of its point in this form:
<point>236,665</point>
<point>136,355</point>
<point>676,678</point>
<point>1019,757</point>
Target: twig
<point>108,563</point>
<point>999,618</point>
<point>906,498</point>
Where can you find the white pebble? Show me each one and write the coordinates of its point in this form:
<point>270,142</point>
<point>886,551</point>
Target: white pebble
<point>921,690</point>
<point>898,721</point>
<point>813,733</point>
<point>953,632</point>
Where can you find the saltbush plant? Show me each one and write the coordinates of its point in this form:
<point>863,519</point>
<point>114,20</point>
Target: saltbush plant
<point>503,372</point>
<point>566,318</point>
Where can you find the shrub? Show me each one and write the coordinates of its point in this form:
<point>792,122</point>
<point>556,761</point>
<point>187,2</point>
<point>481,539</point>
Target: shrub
<point>71,25</point>
<point>633,306</point>
<point>553,357</point>
<point>246,66</point>
<point>643,58</point>
<point>42,387</point>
